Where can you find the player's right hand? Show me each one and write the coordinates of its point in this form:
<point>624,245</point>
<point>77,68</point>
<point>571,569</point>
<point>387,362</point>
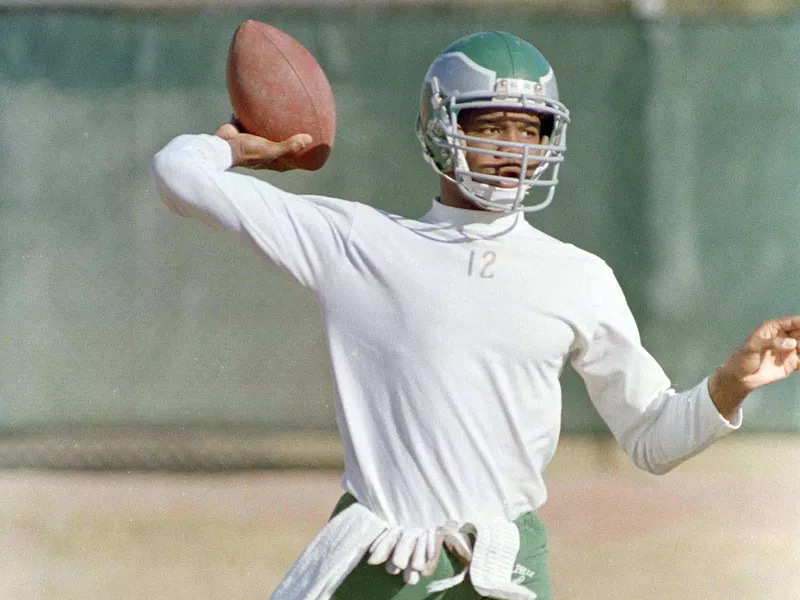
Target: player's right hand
<point>256,152</point>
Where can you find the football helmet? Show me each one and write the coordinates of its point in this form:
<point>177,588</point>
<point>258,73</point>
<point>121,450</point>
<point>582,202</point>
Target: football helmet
<point>492,70</point>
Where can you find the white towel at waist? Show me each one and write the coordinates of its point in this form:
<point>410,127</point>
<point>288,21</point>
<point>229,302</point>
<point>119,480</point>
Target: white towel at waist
<point>342,543</point>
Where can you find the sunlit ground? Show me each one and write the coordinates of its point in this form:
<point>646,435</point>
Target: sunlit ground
<point>725,525</point>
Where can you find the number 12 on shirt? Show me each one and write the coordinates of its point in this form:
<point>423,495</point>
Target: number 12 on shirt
<point>480,263</point>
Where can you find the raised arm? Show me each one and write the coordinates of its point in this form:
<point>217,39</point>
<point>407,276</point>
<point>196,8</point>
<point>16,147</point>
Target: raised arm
<point>188,172</point>
<point>304,235</point>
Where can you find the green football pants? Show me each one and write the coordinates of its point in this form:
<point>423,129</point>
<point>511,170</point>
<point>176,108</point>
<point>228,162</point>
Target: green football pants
<point>372,582</point>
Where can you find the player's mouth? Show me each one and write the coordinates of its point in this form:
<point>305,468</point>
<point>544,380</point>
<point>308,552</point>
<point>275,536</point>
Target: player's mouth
<point>511,172</point>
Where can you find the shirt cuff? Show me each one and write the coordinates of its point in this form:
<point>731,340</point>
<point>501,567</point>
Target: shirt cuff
<point>218,151</point>
<point>711,415</point>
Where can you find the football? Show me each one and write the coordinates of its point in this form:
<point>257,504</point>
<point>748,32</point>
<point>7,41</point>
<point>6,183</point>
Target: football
<point>278,89</point>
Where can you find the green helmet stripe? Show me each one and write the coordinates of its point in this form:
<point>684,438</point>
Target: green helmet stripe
<point>505,54</point>
<point>510,55</point>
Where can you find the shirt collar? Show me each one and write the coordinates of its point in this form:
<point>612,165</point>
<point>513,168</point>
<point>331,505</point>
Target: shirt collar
<point>474,222</point>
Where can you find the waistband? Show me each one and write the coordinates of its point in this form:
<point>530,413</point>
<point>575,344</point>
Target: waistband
<point>526,522</point>
<point>487,549</point>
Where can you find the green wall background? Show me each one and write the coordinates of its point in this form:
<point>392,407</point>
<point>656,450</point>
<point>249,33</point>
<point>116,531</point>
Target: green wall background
<point>681,172</point>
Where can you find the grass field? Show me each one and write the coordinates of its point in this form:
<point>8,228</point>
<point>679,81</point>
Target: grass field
<point>726,525</point>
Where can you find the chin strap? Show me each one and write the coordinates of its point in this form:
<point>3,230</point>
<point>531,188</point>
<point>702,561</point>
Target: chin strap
<point>497,203</point>
<point>490,197</point>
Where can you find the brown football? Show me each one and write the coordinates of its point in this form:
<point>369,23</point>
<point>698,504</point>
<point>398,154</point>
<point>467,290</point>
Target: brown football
<point>277,89</point>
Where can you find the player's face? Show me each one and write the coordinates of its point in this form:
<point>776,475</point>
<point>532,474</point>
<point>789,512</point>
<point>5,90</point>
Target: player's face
<point>500,126</point>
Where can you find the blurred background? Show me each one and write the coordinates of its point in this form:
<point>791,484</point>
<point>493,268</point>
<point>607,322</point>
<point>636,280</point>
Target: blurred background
<point>166,418</point>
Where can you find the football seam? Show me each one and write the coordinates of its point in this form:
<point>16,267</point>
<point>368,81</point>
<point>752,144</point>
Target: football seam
<point>300,79</point>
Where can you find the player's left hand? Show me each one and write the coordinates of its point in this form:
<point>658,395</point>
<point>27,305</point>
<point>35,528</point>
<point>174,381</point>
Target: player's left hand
<point>769,354</point>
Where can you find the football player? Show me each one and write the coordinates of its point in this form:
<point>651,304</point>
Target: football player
<point>448,333</point>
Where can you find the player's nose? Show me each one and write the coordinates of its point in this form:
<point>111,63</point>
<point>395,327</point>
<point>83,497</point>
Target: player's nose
<point>515,139</point>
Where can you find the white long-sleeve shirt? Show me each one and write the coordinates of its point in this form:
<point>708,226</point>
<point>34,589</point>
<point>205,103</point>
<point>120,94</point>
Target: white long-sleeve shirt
<point>447,336</point>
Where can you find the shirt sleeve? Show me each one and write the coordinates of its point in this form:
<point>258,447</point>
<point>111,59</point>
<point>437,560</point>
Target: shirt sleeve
<point>657,426</point>
<point>306,236</point>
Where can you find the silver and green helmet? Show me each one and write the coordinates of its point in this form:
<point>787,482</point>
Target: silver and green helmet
<point>492,70</point>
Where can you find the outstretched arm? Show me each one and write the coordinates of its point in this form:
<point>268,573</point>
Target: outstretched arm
<point>769,354</point>
<point>658,427</point>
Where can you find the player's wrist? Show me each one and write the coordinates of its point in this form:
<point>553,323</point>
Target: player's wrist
<point>727,391</point>
<point>237,155</point>
<point>241,154</point>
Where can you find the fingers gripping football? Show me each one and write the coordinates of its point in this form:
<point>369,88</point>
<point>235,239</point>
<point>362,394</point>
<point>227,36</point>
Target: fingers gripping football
<point>255,152</point>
